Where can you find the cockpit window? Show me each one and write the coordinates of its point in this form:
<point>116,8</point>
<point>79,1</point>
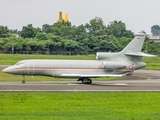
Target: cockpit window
<point>19,64</point>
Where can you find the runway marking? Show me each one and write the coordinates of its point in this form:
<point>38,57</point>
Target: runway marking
<point>118,84</point>
<point>79,90</point>
<point>37,84</point>
<point>73,84</point>
<point>32,84</point>
<point>121,84</point>
<point>57,84</point>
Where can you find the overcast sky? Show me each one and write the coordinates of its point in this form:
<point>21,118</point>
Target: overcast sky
<point>136,14</point>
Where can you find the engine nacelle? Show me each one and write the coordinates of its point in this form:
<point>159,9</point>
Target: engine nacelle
<point>112,65</point>
<point>105,55</point>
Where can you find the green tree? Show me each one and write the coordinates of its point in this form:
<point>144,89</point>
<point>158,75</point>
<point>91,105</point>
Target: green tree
<point>70,46</point>
<point>28,31</point>
<point>96,26</point>
<point>14,31</point>
<point>4,32</point>
<point>128,34</point>
<point>41,36</point>
<point>109,43</point>
<point>80,33</point>
<point>46,28</point>
<point>61,29</point>
<point>116,28</point>
<point>90,42</point>
<point>123,41</point>
<point>155,30</point>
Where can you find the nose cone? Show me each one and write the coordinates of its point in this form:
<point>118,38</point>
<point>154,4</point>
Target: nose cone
<point>5,70</point>
<point>9,70</point>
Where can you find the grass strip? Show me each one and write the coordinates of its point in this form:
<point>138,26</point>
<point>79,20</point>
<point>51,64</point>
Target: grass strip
<point>80,106</point>
<point>10,59</point>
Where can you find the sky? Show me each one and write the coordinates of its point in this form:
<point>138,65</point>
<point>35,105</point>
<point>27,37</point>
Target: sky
<point>136,14</point>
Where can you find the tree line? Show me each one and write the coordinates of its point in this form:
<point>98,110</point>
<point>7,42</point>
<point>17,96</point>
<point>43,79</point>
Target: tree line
<point>66,38</point>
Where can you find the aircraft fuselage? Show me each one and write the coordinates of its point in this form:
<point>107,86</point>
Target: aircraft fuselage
<point>69,68</point>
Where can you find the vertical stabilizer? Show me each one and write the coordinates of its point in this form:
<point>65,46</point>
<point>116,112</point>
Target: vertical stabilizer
<point>136,44</point>
<point>131,52</point>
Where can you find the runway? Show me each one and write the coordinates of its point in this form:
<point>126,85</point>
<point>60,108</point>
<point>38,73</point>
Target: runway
<point>142,80</point>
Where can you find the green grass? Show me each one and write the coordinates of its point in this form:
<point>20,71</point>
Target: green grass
<point>9,59</point>
<point>80,106</point>
<point>153,63</point>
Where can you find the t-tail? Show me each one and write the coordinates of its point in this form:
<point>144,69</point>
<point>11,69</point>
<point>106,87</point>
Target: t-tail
<point>131,55</point>
<point>132,49</point>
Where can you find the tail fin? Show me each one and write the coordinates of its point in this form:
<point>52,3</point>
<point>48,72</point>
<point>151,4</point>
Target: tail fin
<point>132,50</point>
<point>136,44</point>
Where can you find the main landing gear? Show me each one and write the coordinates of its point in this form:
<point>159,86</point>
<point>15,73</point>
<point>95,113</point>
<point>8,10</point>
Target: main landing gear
<point>23,79</point>
<point>132,70</point>
<point>85,80</point>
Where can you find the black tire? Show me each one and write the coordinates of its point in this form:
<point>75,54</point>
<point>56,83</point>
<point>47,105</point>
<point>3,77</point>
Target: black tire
<point>90,81</point>
<point>23,81</point>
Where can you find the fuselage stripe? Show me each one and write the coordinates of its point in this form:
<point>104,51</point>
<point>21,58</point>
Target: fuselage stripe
<point>38,68</point>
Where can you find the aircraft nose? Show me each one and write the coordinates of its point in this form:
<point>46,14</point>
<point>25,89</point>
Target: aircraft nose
<point>8,70</point>
<point>5,70</point>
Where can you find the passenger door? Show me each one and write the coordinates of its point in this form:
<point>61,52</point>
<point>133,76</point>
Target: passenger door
<point>31,68</point>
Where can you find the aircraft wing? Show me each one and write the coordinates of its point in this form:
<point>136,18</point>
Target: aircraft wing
<point>91,75</point>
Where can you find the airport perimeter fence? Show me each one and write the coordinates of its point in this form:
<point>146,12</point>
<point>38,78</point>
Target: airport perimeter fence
<point>48,52</point>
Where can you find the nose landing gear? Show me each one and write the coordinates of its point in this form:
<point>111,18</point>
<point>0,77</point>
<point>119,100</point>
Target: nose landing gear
<point>23,79</point>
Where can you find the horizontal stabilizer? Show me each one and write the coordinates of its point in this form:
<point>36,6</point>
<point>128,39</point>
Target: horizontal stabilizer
<point>90,75</point>
<point>140,54</point>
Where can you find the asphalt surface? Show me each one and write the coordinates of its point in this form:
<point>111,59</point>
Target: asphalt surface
<point>141,80</point>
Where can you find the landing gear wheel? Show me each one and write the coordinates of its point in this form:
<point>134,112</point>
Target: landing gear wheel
<point>23,79</point>
<point>86,81</point>
<point>90,81</point>
<point>80,79</point>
